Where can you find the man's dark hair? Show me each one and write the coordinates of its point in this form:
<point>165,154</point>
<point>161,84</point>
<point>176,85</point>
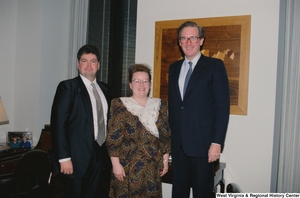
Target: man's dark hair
<point>88,49</point>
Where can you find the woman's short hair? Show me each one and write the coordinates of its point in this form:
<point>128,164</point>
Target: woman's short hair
<point>138,68</point>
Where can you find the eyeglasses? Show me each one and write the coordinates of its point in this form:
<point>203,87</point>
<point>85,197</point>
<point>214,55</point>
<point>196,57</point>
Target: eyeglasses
<point>140,81</point>
<point>184,39</point>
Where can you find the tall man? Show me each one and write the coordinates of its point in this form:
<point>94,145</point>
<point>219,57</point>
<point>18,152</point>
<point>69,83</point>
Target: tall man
<point>198,114</point>
<point>76,129</point>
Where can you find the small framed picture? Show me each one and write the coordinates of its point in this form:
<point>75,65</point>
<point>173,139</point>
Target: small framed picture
<point>19,139</point>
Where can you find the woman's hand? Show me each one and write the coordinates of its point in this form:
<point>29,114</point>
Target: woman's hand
<point>118,169</point>
<point>166,165</point>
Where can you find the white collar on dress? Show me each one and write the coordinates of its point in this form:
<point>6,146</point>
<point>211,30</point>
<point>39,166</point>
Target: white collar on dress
<point>147,115</point>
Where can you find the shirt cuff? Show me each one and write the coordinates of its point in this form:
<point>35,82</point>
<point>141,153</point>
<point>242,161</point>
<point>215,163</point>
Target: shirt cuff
<point>64,160</point>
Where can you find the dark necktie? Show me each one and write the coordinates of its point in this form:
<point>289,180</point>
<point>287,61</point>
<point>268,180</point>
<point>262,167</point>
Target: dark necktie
<point>100,115</point>
<point>187,77</point>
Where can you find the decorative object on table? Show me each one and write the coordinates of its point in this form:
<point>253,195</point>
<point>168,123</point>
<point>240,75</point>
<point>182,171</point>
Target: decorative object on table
<point>3,115</point>
<point>19,139</point>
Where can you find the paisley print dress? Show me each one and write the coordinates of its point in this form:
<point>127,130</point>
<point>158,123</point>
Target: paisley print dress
<point>139,136</point>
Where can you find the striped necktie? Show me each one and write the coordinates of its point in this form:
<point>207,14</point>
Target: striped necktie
<point>187,77</point>
<point>100,115</point>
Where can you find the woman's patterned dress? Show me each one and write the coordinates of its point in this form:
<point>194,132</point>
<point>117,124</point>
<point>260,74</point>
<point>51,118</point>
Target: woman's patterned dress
<point>139,152</point>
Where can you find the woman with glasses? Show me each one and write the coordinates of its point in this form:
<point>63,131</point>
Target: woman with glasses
<point>138,139</point>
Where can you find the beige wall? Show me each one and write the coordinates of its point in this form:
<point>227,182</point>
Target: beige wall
<point>248,146</point>
<point>34,56</point>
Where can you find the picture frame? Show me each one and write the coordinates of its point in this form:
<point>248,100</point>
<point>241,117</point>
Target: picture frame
<point>227,38</point>
<point>20,137</point>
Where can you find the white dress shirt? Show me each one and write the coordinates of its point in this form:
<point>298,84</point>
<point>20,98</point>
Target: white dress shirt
<point>89,87</point>
<point>184,69</point>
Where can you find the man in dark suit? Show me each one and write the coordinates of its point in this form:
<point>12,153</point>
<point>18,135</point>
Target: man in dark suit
<point>198,114</point>
<point>78,154</point>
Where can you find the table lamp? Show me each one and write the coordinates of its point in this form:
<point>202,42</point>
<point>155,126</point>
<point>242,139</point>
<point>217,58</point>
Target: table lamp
<point>3,115</point>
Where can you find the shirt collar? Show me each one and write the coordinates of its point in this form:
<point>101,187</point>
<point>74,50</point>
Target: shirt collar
<point>194,61</point>
<point>86,81</point>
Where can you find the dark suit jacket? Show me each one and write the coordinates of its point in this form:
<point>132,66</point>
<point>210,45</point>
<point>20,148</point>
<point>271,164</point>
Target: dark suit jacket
<point>72,124</point>
<point>201,118</point>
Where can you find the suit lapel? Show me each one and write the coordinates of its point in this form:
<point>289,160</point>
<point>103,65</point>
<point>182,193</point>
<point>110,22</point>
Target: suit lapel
<point>84,95</point>
<point>196,73</point>
<point>176,76</point>
<point>104,90</point>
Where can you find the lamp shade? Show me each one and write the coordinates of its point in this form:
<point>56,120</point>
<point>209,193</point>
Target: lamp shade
<point>3,115</point>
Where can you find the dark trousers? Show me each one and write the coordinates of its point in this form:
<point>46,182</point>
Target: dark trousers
<point>192,172</point>
<point>96,180</point>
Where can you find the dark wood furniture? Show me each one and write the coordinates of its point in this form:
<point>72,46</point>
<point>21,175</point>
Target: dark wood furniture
<point>45,141</point>
<point>55,182</point>
<point>11,158</point>
<point>31,175</point>
<point>218,179</point>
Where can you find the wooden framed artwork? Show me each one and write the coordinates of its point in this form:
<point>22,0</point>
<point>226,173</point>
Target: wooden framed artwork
<point>227,38</point>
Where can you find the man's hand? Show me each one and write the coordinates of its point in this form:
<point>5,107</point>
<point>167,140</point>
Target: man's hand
<point>66,167</point>
<point>214,152</point>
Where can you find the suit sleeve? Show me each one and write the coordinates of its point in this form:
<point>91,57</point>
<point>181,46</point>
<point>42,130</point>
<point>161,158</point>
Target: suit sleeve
<point>221,102</point>
<point>170,93</point>
<point>61,109</point>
